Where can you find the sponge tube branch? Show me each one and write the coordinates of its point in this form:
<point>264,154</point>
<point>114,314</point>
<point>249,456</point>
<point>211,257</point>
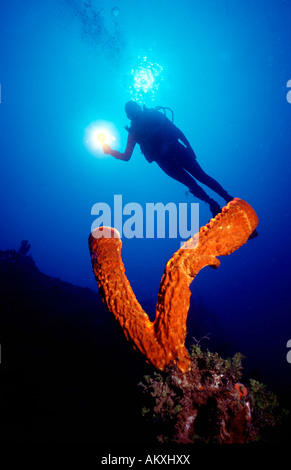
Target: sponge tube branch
<point>118,296</point>
<point>227,232</point>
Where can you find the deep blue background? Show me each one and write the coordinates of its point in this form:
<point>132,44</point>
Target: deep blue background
<point>225,69</point>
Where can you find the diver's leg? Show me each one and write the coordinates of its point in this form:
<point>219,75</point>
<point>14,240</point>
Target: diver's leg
<point>175,171</point>
<point>193,167</point>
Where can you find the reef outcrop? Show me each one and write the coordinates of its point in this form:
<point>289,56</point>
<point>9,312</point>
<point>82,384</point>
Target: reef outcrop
<point>162,341</point>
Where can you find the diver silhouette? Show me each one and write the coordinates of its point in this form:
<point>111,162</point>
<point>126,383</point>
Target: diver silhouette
<point>163,142</point>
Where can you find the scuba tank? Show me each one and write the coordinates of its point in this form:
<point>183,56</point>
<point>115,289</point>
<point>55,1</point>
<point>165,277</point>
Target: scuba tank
<point>153,131</point>
<point>165,109</point>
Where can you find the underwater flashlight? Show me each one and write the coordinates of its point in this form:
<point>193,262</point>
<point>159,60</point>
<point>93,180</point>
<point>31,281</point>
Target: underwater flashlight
<point>99,133</point>
<point>101,137</point>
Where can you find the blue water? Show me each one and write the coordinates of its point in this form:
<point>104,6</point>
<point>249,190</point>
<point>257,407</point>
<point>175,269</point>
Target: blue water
<point>223,68</point>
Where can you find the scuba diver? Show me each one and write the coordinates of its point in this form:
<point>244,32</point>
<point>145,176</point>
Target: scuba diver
<point>161,141</point>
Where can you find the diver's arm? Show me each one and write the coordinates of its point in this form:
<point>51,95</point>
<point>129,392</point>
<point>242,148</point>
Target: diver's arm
<point>126,155</point>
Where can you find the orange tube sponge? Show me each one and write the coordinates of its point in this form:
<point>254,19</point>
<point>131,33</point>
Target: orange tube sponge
<point>163,341</point>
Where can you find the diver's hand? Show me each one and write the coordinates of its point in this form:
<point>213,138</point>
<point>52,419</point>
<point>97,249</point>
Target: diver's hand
<point>107,149</point>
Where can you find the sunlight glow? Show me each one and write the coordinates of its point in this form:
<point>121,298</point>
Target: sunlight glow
<point>146,78</point>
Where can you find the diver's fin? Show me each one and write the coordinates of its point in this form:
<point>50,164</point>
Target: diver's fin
<point>253,235</point>
<point>214,208</point>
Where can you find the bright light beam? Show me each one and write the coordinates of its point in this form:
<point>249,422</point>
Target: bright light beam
<point>99,133</point>
<point>101,137</point>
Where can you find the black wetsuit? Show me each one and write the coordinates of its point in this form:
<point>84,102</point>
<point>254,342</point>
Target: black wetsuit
<point>161,141</point>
